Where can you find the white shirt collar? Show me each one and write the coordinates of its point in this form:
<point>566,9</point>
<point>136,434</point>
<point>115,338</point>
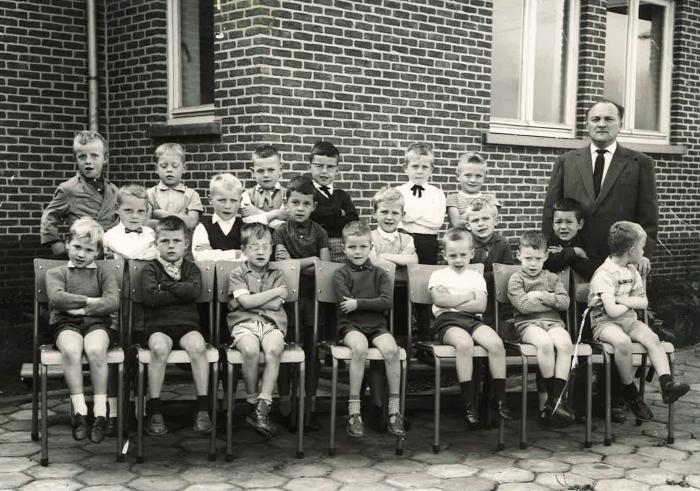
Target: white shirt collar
<point>261,189</point>
<point>318,186</point>
<point>610,148</point>
<point>391,237</point>
<point>92,265</point>
<point>216,218</point>
<point>163,187</point>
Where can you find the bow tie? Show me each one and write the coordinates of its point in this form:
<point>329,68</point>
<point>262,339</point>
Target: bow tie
<point>137,231</point>
<point>418,190</point>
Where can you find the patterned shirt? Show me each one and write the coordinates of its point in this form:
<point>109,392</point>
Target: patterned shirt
<point>265,200</point>
<point>301,240</point>
<point>618,281</point>
<point>179,199</point>
<point>244,280</point>
<point>462,200</point>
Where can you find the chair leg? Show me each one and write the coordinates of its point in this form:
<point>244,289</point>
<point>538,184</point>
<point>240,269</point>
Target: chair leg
<point>334,394</point>
<point>120,413</point>
<point>436,408</point>
<point>214,409</point>
<point>230,401</point>
<point>35,401</point>
<point>589,404</point>
<point>44,419</point>
<point>402,395</point>
<point>300,412</point>
<point>523,402</point>
<point>608,415</point>
<point>670,439</point>
<point>139,414</point>
<point>642,382</point>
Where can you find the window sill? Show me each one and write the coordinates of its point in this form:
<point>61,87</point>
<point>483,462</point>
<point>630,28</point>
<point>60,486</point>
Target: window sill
<point>572,143</point>
<point>158,131</point>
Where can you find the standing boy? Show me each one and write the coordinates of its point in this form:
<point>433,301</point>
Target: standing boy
<point>264,203</point>
<point>471,173</point>
<point>130,238</point>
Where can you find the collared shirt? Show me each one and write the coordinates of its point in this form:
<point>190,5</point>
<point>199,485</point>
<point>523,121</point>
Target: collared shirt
<point>265,200</point>
<point>75,199</point>
<point>201,237</point>
<point>244,280</point>
<point>179,199</point>
<point>424,215</point>
<point>462,200</point>
<point>173,269</point>
<point>301,240</point>
<point>318,186</point>
<point>619,281</point>
<point>608,155</point>
<point>464,282</point>
<point>131,245</point>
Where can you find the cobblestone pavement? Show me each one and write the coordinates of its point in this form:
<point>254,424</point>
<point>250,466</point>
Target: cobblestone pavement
<point>639,459</point>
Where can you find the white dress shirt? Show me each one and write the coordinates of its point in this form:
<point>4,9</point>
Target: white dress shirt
<point>132,245</point>
<point>608,155</point>
<point>424,215</point>
<point>201,237</point>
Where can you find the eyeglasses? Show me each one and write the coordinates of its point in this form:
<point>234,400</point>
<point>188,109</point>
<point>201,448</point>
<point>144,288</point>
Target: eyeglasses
<point>260,247</point>
<point>324,166</point>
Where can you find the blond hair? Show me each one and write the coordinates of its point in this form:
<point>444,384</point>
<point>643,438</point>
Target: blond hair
<point>175,148</point>
<point>86,228</point>
<point>225,181</point>
<point>388,195</point>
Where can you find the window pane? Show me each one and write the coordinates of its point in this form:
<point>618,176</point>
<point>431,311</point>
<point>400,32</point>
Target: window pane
<point>551,49</point>
<point>615,51</point>
<point>197,52</point>
<point>505,61</point>
<point>649,58</point>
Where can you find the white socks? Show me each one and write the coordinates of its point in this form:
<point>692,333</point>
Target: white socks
<point>112,403</point>
<point>78,403</point>
<point>99,405</point>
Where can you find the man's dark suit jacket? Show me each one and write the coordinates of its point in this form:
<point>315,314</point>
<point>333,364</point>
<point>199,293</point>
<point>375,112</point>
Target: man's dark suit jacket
<point>628,193</point>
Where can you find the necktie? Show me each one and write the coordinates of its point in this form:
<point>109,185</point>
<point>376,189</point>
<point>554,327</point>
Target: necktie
<point>326,190</point>
<point>598,170</point>
<point>267,200</point>
<point>418,190</point>
<point>137,231</point>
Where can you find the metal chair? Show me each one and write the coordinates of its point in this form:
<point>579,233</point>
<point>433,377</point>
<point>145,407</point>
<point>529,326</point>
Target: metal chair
<point>47,358</point>
<point>325,293</point>
<point>134,295</point>
<point>292,352</point>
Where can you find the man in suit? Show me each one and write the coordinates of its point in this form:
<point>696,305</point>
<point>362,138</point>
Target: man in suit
<point>612,183</point>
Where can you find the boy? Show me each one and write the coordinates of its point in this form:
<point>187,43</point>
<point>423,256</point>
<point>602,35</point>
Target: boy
<point>264,203</point>
<point>471,172</point>
<point>88,194</point>
<point>459,297</point>
<point>171,285</point>
<point>366,296</point>
<point>170,196</point>
<point>82,296</point>
<point>302,238</point>
<point>218,237</point>
<point>489,246</point>
<point>257,321</point>
<point>334,206</point>
<point>616,291</point>
<point>565,247</point>
<point>538,296</point>
<point>130,238</point>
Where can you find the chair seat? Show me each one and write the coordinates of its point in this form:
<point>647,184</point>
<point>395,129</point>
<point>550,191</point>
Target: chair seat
<point>50,356</point>
<point>143,355</point>
<point>344,353</point>
<point>638,349</point>
<point>291,354</point>
<point>447,351</point>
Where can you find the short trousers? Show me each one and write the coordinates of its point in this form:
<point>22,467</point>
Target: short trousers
<point>625,324</point>
<point>369,332</point>
<point>254,328</point>
<point>464,320</point>
<point>337,251</point>
<point>84,331</point>
<point>543,324</point>
<point>175,333</point>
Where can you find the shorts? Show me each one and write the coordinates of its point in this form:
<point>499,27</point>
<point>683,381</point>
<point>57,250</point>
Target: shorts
<point>625,324</point>
<point>84,331</point>
<point>543,324</point>
<point>175,333</point>
<point>369,332</point>
<point>254,328</point>
<point>336,247</point>
<point>464,320</point>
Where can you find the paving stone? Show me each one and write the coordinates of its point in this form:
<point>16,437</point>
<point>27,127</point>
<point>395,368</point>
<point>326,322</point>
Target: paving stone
<point>652,476</point>
<point>662,453</point>
<point>105,488</point>
<point>444,457</point>
<point>470,483</point>
<point>312,484</point>
<point>212,486</point>
<point>527,453</point>
<point>491,462</point>
<point>566,480</point>
<point>395,466</point>
<point>345,460</point>
<point>543,465</point>
<point>412,480</point>
<point>18,449</point>
<point>631,461</point>
<point>613,449</point>
<point>683,467</point>
<point>305,470</point>
<point>259,480</point>
<point>363,487</point>
<point>620,485</point>
<point>158,483</point>
<point>598,470</point>
<point>559,444</point>
<point>449,471</point>
<point>115,475</point>
<point>355,475</point>
<point>670,487</point>
<point>65,455</point>
<point>507,474</point>
<point>522,486</point>
<point>685,444</point>
<point>26,414</point>
<point>13,480</point>
<point>55,471</point>
<point>51,485</point>
<point>581,457</point>
<point>14,464</point>
<point>693,480</point>
<point>206,474</point>
<point>151,468</point>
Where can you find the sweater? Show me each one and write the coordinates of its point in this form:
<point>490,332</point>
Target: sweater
<point>555,297</point>
<point>217,239</point>
<point>568,258</point>
<point>328,211</point>
<point>371,287</point>
<point>168,302</point>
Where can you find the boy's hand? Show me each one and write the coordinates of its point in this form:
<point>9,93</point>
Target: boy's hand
<point>76,312</point>
<point>276,303</point>
<point>644,266</point>
<point>580,252</point>
<point>283,292</point>
<point>536,295</point>
<point>250,210</point>
<point>281,254</point>
<point>165,284</point>
<point>281,214</point>
<point>348,305</point>
<point>555,249</point>
<point>202,247</point>
<point>596,302</point>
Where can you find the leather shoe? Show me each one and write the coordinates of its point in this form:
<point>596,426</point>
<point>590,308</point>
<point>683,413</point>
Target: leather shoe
<point>98,429</point>
<point>80,427</point>
<point>673,391</point>
<point>640,409</point>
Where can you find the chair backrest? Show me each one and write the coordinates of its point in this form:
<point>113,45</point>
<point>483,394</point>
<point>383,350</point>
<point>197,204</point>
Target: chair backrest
<point>419,276</point>
<point>324,272</point>
<point>41,266</point>
<point>501,277</point>
<point>290,269</point>
<point>134,292</point>
<point>581,288</point>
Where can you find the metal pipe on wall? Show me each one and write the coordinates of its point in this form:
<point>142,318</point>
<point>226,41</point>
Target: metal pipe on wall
<point>92,64</point>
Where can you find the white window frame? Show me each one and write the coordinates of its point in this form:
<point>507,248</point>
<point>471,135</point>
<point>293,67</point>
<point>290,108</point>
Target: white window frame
<point>628,133</point>
<point>526,125</point>
<point>176,113</point>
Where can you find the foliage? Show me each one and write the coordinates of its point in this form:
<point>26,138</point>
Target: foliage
<point>674,311</point>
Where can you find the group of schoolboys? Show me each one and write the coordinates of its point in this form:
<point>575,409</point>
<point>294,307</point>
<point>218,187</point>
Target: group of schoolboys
<point>309,220</point>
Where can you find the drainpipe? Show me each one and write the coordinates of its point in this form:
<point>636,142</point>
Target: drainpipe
<point>92,63</point>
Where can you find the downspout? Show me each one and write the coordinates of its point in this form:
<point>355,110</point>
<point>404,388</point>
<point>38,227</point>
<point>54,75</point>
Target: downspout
<point>92,64</point>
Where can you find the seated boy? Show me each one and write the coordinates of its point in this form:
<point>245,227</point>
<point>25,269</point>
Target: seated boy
<point>264,203</point>
<point>538,296</point>
<point>565,247</point>
<point>459,297</point>
<point>82,296</point>
<point>88,194</point>
<point>218,237</point>
<point>616,291</point>
<point>367,297</point>
<point>257,321</point>
<point>171,285</point>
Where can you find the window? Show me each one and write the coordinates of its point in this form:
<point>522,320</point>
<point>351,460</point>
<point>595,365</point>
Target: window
<point>190,61</point>
<point>638,65</point>
<point>533,84</point>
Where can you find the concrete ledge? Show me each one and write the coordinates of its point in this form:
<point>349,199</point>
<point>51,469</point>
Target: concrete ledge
<point>157,131</point>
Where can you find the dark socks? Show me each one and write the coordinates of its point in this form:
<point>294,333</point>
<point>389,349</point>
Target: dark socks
<point>467,389</point>
<point>202,403</point>
<point>155,406</point>
<point>499,389</point>
<point>630,392</point>
<point>555,388</point>
<point>664,380</point>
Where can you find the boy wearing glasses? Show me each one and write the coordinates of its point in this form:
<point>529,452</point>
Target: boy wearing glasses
<point>258,322</point>
<point>334,207</point>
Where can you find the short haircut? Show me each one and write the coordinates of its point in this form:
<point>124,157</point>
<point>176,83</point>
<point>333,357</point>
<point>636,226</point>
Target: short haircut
<point>251,231</point>
<point>417,150</point>
<point>324,149</point>
<point>458,233</point>
<point>620,107</point>
<point>302,185</point>
<point>623,236</point>
<point>479,204</point>
<point>388,195</point>
<point>265,151</point>
<point>569,204</point>
<point>171,223</point>
<point>132,191</point>
<point>534,240</point>
<point>87,136</point>
<point>470,158</point>
<point>86,228</point>
<point>226,181</point>
<point>357,229</point>
<point>175,148</point>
